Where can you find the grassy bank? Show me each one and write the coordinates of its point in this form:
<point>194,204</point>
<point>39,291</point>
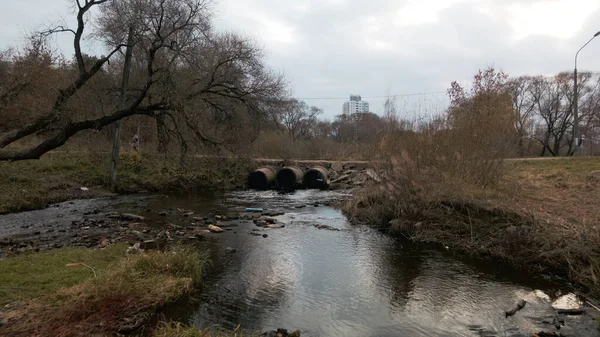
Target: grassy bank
<point>71,292</point>
<point>540,215</point>
<point>59,177</point>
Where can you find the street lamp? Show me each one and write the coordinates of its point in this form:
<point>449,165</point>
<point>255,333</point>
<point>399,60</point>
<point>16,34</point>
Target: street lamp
<point>576,100</point>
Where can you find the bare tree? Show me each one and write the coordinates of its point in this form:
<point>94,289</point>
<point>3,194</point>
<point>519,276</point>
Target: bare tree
<point>183,73</point>
<point>554,102</point>
<point>299,119</point>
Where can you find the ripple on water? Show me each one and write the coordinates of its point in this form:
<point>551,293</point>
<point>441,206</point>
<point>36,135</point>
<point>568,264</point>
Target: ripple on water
<point>354,282</point>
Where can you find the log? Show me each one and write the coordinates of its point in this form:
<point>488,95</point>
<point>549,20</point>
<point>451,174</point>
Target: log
<point>520,305</point>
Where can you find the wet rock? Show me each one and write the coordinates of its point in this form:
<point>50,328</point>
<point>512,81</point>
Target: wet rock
<point>125,216</point>
<point>215,229</point>
<point>280,333</point>
<point>520,305</point>
<point>230,250</point>
<point>276,225</point>
<point>329,228</point>
<point>274,213</point>
<point>227,224</point>
<point>300,206</point>
<point>260,223</point>
<point>265,235</point>
<point>254,234</point>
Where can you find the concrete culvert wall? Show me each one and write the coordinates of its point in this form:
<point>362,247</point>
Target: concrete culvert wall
<point>316,177</point>
<point>262,178</point>
<point>289,177</point>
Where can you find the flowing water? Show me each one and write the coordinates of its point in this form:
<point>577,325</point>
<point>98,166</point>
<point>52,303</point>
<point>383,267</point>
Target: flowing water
<point>353,281</point>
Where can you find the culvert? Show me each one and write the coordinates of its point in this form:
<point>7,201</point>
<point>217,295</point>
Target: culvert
<point>262,178</point>
<point>316,177</point>
<point>289,177</point>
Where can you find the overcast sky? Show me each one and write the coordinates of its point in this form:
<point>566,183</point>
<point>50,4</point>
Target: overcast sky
<point>333,48</point>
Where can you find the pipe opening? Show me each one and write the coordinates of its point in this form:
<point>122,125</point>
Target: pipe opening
<point>289,178</point>
<point>261,179</point>
<point>316,178</point>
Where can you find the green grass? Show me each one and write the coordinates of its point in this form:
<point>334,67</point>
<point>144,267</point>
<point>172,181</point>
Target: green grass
<point>42,274</point>
<point>123,294</point>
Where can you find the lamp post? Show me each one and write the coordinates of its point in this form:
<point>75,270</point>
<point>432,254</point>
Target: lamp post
<point>576,143</point>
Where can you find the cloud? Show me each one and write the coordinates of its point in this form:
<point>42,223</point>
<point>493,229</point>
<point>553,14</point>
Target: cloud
<point>334,48</point>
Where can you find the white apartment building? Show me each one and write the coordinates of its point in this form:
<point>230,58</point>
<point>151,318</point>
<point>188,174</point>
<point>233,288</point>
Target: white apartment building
<point>355,105</point>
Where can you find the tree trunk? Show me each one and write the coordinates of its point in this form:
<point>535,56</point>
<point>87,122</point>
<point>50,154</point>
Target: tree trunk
<point>163,134</point>
<point>122,103</point>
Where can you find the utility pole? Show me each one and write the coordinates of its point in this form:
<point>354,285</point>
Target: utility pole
<point>122,102</point>
<point>576,142</point>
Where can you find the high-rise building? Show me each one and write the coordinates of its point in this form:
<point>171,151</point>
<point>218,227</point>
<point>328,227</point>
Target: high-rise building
<point>355,105</point>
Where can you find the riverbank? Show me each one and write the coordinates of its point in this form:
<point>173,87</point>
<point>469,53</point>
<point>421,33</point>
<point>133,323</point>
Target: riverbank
<point>542,216</point>
<point>59,177</point>
<point>78,292</point>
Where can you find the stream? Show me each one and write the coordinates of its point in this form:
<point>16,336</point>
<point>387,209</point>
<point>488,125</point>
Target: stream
<point>341,280</point>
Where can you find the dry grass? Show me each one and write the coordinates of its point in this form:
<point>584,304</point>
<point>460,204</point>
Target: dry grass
<point>120,299</point>
<point>540,215</point>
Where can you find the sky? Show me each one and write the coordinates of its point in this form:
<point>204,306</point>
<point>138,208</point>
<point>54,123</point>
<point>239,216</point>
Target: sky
<point>329,49</point>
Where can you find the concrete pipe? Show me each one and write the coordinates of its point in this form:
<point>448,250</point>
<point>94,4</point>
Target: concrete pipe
<point>289,177</point>
<point>262,178</point>
<point>316,177</point>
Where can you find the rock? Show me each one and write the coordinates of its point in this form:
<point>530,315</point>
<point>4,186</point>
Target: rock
<point>276,225</point>
<point>162,213</point>
<point>265,235</point>
<point>125,216</point>
<point>520,305</point>
<point>226,224</point>
<point>230,250</point>
<point>254,234</point>
<point>188,214</point>
<point>180,233</point>
<point>300,206</point>
<point>280,333</point>
<point>149,244</point>
<point>273,213</point>
<point>135,249</point>
<point>541,295</point>
<point>199,219</point>
<point>567,302</point>
<point>215,229</point>
<point>329,228</point>
<point>260,223</point>
<point>200,233</point>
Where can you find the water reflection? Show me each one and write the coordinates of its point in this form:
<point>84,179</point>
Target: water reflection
<point>352,282</point>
